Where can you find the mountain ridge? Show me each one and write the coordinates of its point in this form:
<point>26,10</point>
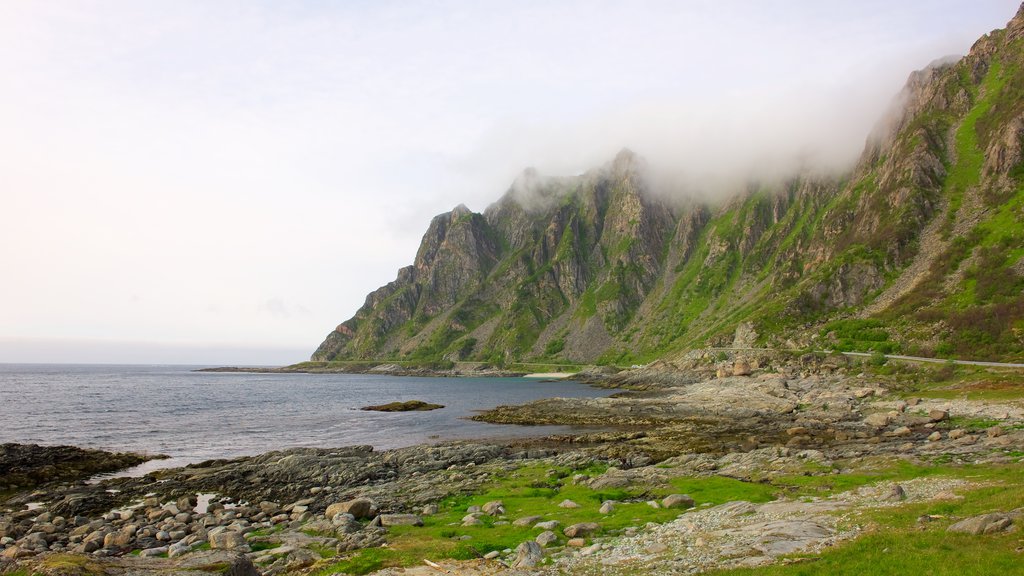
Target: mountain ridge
<point>917,249</point>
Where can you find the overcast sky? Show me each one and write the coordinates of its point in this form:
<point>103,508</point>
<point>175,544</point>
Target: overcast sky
<point>223,182</point>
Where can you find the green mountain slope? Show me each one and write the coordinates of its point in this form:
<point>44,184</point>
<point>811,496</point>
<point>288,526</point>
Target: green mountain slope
<point>919,249</point>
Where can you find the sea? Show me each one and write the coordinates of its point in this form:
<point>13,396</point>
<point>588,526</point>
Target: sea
<point>195,416</point>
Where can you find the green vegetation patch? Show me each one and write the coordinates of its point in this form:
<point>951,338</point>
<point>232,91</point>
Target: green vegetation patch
<point>535,490</point>
<point>897,541</point>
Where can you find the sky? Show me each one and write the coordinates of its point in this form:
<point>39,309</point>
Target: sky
<point>222,182</point>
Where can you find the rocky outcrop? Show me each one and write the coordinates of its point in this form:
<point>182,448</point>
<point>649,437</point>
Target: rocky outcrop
<point>614,266</point>
<point>28,465</point>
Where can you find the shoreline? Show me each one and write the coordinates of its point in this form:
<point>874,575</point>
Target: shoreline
<point>753,422</point>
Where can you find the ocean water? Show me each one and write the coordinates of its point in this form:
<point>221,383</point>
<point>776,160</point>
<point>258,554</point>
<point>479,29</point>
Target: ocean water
<point>195,416</point>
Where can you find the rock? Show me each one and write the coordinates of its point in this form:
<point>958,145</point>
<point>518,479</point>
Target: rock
<point>984,524</point>
<point>568,504</point>
<point>937,415</point>
<point>494,508</point>
<point>862,393</point>
<point>430,509</point>
<point>175,550</point>
<point>678,501</point>
<point>546,537</point>
<point>528,555</point>
<point>935,436</point>
<point>576,543</point>
<point>187,503</point>
<point>154,552</point>
<point>492,555</point>
<point>526,520</point>
<point>224,539</point>
<point>16,552</point>
<point>607,507</point>
<point>896,494</point>
<point>902,431</point>
<point>242,566</point>
<point>358,508</point>
<point>798,431</point>
<point>994,432</point>
<point>581,530</point>
<point>400,520</point>
<point>957,434</point>
<point>549,525</point>
<point>657,548</point>
<point>589,550</point>
<point>741,368</point>
<point>119,539</point>
<point>878,420</point>
<point>471,520</point>
<point>408,406</point>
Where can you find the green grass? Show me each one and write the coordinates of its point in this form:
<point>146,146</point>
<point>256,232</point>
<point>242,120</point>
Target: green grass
<point>895,543</point>
<point>966,172</point>
<point>532,491</point>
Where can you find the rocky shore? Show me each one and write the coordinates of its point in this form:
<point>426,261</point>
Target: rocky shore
<point>711,467</point>
<point>25,466</point>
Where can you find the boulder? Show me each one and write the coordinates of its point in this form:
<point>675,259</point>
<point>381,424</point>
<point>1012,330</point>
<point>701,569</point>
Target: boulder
<point>984,524</point>
<point>546,537</point>
<point>119,539</point>
<point>528,555</point>
<point>526,520</point>
<point>242,566</point>
<point>224,539</point>
<point>549,525</point>
<point>607,507</point>
<point>678,501</point>
<point>741,368</point>
<point>358,508</point>
<point>878,420</point>
<point>187,503</point>
<point>895,494</point>
<point>581,530</point>
<point>568,504</point>
<point>937,415</point>
<point>994,432</point>
<point>494,508</point>
<point>154,552</point>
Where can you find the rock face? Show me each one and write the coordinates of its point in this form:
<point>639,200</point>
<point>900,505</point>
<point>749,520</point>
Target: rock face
<point>612,263</point>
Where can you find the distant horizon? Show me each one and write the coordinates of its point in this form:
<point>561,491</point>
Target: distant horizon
<point>114,352</point>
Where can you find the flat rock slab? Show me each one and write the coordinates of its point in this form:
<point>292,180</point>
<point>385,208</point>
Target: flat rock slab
<point>778,537</point>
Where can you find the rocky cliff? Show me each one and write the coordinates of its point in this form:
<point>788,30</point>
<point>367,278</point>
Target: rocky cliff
<point>919,249</point>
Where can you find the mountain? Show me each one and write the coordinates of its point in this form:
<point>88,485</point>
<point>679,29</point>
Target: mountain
<point>919,249</point>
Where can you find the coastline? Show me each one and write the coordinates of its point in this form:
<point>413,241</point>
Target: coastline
<point>757,426</point>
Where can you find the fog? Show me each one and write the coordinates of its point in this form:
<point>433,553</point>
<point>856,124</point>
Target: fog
<point>245,172</point>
